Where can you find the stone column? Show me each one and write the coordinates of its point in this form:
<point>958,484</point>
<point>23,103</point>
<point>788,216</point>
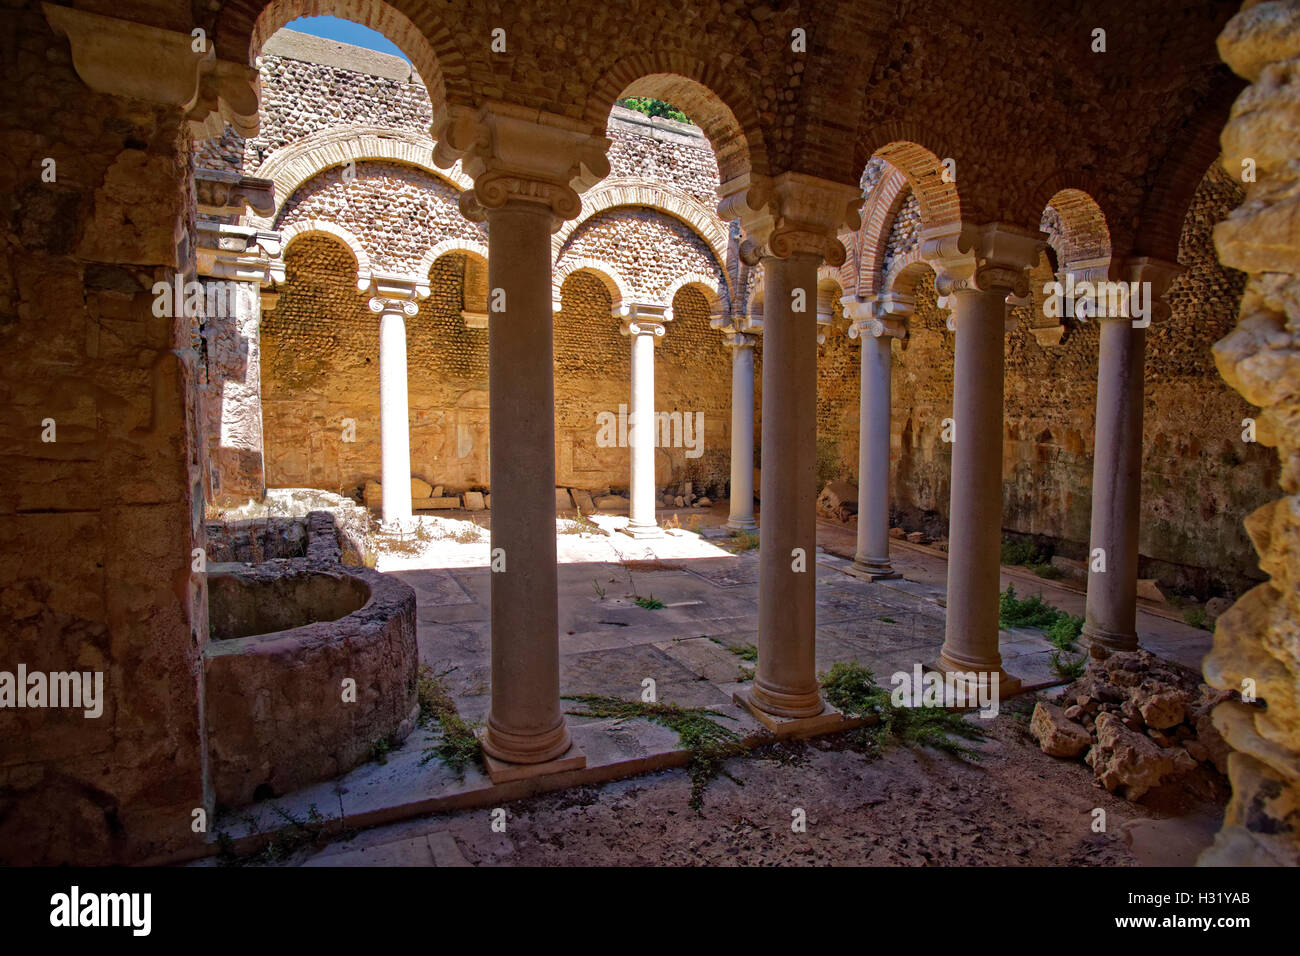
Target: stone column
<point>526,170</point>
<point>643,324</point>
<point>978,268</point>
<point>742,431</point>
<point>394,304</point>
<point>876,325</point>
<point>792,230</point>
<point>1111,621</point>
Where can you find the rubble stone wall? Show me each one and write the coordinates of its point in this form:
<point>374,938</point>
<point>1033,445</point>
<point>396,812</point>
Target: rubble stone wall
<point>101,506</point>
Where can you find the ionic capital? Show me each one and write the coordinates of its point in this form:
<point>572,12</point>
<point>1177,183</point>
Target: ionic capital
<point>739,340</point>
<point>384,306</point>
<point>396,294</point>
<point>986,258</point>
<point>519,155</point>
<point>881,315</point>
<point>790,214</point>
<point>642,318</point>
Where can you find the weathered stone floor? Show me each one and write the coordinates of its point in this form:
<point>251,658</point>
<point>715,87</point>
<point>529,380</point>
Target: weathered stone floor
<point>609,646</point>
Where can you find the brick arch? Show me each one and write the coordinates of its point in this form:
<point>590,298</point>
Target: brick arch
<point>609,277</point>
<point>878,214</point>
<point>829,289</point>
<point>901,145</point>
<point>244,26</point>
<point>1085,232</point>
<point>447,246</point>
<point>320,227</point>
<point>714,294</point>
<point>906,273</point>
<point>707,93</point>
<point>666,199</point>
<point>1190,155</point>
<point>298,162</point>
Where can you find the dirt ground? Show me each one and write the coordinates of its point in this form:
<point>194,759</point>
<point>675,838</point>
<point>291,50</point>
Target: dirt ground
<point>908,807</point>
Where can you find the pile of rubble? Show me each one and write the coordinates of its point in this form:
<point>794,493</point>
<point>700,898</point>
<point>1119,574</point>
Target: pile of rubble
<point>1137,720</point>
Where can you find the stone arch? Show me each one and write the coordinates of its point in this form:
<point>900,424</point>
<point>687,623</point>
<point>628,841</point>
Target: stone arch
<point>829,291</point>
<point>416,27</point>
<point>906,275</point>
<point>467,246</point>
<point>298,162</point>
<point>878,214</point>
<point>320,227</point>
<point>708,285</point>
<point>707,93</point>
<point>666,199</point>
<point>1084,231</point>
<point>609,277</point>
<point>900,145</point>
<point>474,291</point>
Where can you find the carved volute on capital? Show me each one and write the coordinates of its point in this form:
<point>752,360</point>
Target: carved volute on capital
<point>642,318</point>
<point>790,214</point>
<point>515,154</point>
<point>382,305</point>
<point>876,316</point>
<point>985,258</point>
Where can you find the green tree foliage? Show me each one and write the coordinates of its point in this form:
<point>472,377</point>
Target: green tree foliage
<point>653,107</point>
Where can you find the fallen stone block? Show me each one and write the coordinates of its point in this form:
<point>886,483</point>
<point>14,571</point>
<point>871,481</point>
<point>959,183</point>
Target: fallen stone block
<point>474,501</point>
<point>610,503</point>
<point>1126,762</point>
<point>562,500</point>
<point>1161,710</point>
<point>1057,735</point>
<point>582,500</point>
<point>420,488</point>
<point>1149,590</point>
<point>837,493</point>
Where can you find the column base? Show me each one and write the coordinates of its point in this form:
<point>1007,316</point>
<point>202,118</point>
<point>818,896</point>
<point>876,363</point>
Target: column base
<point>829,721</point>
<point>642,531</point>
<point>512,748</point>
<point>872,570</point>
<point>780,704</point>
<point>1008,684</point>
<point>741,524</point>
<point>1107,642</point>
<point>503,771</point>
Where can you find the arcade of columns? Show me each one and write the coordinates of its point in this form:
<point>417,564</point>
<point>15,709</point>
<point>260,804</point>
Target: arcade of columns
<point>528,166</point>
<point>791,235</point>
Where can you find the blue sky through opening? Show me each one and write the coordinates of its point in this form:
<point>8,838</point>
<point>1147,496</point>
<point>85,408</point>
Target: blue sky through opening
<point>345,31</point>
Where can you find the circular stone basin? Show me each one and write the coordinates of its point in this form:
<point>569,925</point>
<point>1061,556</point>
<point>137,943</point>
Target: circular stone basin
<point>309,666</point>
<point>240,605</point>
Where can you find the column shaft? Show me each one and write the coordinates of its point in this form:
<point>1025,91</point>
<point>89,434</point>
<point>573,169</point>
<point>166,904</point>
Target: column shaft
<point>975,519</point>
<point>785,683</point>
<point>641,517</point>
<point>742,438</point>
<point>873,457</point>
<point>1117,486</point>
<point>525,724</point>
<point>394,417</point>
